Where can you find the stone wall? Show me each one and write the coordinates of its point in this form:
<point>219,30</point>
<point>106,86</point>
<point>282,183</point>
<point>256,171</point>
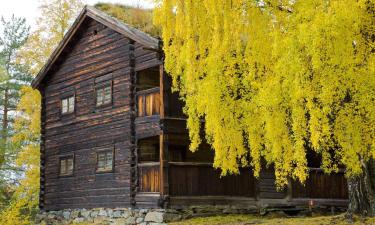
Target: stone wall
<point>101,216</point>
<point>122,216</point>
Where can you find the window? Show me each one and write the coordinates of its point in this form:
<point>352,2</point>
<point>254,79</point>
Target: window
<point>104,161</point>
<point>67,105</point>
<point>104,94</point>
<point>66,165</point>
<point>148,104</point>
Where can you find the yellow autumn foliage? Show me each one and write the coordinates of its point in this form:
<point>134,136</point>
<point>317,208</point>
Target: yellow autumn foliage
<point>27,127</point>
<point>55,19</point>
<point>272,79</point>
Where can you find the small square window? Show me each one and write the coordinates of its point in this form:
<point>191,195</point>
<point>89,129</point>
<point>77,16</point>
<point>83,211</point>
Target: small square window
<point>104,94</point>
<point>104,161</point>
<point>66,165</point>
<point>67,105</point>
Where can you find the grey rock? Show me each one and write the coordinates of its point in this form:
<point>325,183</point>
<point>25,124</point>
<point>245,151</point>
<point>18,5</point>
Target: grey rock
<point>85,213</point>
<point>117,214</point>
<point>154,217</point>
<point>130,220</point>
<point>51,216</point>
<point>66,215</point>
<point>102,212</point>
<point>110,213</point>
<point>126,214</point>
<point>94,213</point>
<point>75,214</point>
<point>139,220</point>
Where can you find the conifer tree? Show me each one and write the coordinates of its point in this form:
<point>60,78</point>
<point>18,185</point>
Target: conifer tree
<point>12,77</point>
<point>13,37</point>
<point>55,19</point>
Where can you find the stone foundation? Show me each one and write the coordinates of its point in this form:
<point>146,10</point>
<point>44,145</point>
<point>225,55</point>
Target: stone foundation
<point>122,216</point>
<point>101,216</point>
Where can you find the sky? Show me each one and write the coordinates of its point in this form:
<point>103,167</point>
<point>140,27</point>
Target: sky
<point>29,8</point>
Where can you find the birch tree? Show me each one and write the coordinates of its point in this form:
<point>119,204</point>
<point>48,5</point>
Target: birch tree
<point>275,79</point>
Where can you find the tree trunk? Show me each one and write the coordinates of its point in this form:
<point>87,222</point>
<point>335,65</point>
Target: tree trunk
<point>5,117</point>
<point>362,191</point>
<point>4,130</point>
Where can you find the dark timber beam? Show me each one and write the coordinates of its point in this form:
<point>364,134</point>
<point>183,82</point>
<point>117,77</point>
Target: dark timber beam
<point>164,166</point>
<point>133,155</point>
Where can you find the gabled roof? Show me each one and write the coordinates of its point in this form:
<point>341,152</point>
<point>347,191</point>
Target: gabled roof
<point>136,35</point>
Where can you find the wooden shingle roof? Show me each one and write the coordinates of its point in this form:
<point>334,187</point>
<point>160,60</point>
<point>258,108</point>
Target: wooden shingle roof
<point>88,11</point>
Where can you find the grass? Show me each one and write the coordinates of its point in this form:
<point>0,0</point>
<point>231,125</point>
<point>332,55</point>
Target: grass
<point>270,220</point>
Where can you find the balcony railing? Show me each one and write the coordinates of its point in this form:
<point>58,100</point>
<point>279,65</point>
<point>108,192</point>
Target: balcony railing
<point>148,102</point>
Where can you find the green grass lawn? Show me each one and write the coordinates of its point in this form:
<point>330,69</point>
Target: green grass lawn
<point>252,219</point>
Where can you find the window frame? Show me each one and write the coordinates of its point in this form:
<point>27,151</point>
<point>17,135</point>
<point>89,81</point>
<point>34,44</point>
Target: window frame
<point>66,157</point>
<point>105,150</point>
<point>101,86</point>
<point>67,97</point>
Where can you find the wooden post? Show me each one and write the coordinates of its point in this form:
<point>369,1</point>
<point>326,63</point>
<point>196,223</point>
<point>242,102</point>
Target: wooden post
<point>164,184</point>
<point>163,140</point>
<point>133,148</point>
<point>162,81</point>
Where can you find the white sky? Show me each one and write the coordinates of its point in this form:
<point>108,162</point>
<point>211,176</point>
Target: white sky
<point>29,8</point>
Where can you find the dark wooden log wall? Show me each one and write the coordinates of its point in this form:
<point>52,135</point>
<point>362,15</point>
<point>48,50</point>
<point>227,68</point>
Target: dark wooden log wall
<point>266,185</point>
<point>200,179</point>
<point>42,152</point>
<point>99,53</point>
<point>95,52</point>
<point>321,185</point>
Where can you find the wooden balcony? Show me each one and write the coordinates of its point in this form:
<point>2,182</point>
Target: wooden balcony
<point>149,177</point>
<point>147,122</point>
<point>148,102</point>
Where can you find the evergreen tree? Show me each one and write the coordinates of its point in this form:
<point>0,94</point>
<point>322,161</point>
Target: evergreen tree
<point>54,21</point>
<point>12,77</point>
<point>15,33</point>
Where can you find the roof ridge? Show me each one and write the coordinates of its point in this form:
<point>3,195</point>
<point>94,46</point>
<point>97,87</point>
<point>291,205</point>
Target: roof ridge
<point>98,11</point>
<point>88,11</point>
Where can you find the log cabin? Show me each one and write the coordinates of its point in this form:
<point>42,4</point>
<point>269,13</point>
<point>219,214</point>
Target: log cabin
<point>114,135</point>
